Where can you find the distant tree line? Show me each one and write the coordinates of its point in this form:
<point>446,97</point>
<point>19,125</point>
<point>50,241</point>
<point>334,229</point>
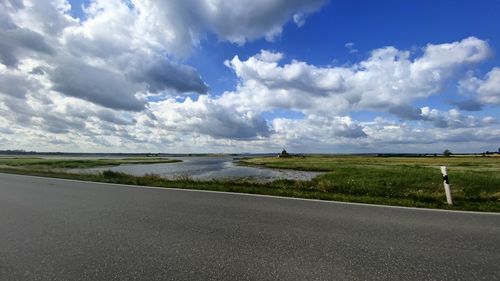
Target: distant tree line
<point>491,152</point>
<point>446,153</point>
<point>16,152</point>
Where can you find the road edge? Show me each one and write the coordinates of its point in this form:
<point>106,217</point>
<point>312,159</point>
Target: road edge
<point>115,185</point>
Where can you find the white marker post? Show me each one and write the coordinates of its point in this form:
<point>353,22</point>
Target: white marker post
<point>447,189</point>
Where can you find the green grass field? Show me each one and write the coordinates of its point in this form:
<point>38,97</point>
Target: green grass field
<point>28,163</point>
<point>403,181</point>
<point>475,180</point>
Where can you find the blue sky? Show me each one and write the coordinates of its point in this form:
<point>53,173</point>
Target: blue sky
<point>191,76</point>
<point>367,24</point>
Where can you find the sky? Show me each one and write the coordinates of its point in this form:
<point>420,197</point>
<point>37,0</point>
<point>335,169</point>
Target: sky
<point>235,76</point>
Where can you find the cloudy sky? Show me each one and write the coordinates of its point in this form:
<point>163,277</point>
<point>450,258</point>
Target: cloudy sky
<point>173,76</point>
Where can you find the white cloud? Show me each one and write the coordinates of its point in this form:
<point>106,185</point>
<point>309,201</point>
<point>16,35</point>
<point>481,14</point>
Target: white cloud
<point>350,47</point>
<point>177,25</point>
<point>454,119</point>
<point>489,89</point>
<point>83,84</point>
<point>480,92</point>
<point>208,116</point>
<point>95,84</point>
<point>15,84</point>
<point>121,50</point>
<point>393,136</point>
<point>451,55</point>
<point>389,80</point>
<point>316,129</point>
<point>242,20</point>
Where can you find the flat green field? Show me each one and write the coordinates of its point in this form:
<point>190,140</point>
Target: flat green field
<point>34,164</point>
<point>475,180</point>
<point>402,181</point>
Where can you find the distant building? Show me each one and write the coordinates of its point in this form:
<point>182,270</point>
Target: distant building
<point>283,153</point>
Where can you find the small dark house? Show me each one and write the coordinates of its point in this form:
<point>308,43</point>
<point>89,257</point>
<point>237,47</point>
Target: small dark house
<point>283,153</point>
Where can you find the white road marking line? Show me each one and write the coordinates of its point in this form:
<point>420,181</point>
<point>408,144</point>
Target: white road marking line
<point>256,195</point>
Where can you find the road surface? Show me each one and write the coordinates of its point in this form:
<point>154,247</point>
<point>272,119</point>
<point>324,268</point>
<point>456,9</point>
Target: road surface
<point>54,229</point>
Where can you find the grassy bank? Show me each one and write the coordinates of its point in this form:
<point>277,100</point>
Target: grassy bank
<point>34,163</point>
<point>475,180</point>
<point>414,182</point>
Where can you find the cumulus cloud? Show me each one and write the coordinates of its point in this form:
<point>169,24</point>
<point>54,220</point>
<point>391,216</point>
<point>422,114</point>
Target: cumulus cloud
<point>450,55</point>
<point>16,111</point>
<point>318,128</point>
<point>112,117</point>
<point>160,74</point>
<point>487,89</point>
<point>236,21</point>
<point>120,50</point>
<point>480,92</point>
<point>107,81</point>
<point>58,124</point>
<point>120,53</point>
<point>16,84</point>
<point>468,105</point>
<point>208,116</point>
<point>20,40</point>
<point>454,119</point>
<point>396,136</point>
<point>97,85</point>
<point>388,80</point>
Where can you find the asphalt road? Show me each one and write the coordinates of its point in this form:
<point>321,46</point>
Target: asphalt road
<point>64,230</point>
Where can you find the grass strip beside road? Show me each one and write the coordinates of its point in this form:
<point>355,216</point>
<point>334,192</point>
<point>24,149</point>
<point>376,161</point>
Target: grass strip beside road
<point>475,180</point>
<point>56,163</point>
<point>412,182</point>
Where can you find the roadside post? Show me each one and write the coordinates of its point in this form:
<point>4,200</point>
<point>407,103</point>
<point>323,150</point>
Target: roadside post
<point>446,181</point>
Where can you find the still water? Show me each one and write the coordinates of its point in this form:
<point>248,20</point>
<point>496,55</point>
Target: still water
<point>208,168</point>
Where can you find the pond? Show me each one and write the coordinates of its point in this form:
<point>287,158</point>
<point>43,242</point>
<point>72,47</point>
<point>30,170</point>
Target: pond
<point>208,168</point>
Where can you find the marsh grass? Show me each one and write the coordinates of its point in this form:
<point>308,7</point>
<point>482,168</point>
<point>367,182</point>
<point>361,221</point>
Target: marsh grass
<point>475,180</point>
<point>56,163</point>
<point>411,182</point>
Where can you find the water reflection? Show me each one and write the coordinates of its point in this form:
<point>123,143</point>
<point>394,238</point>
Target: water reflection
<point>207,168</point>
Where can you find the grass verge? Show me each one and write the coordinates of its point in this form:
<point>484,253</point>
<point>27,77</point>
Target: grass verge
<point>402,182</point>
<point>34,163</point>
<point>475,180</point>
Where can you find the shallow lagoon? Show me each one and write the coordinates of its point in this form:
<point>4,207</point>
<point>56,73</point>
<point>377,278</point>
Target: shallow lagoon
<point>208,168</point>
